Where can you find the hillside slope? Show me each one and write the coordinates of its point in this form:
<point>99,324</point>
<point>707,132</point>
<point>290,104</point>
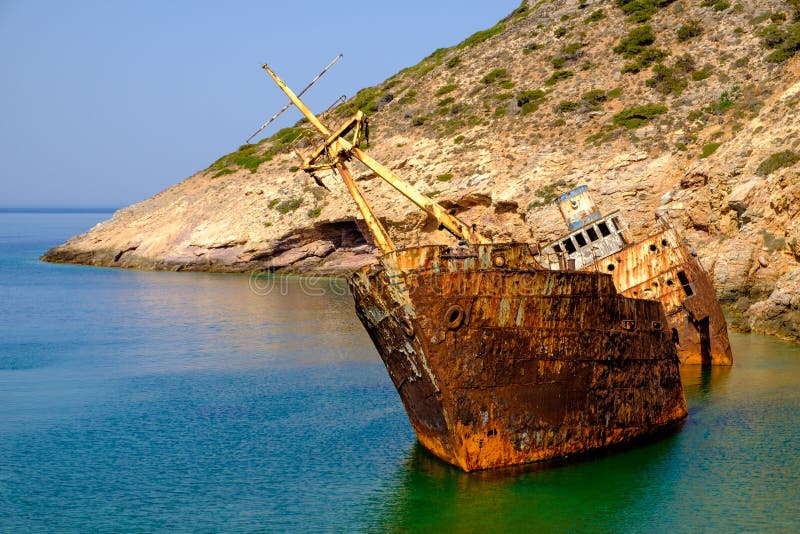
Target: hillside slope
<point>688,107</point>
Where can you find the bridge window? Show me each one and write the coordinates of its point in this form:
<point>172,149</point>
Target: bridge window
<point>580,239</point>
<point>557,248</point>
<point>604,229</point>
<point>687,288</point>
<point>569,245</point>
<point>592,234</point>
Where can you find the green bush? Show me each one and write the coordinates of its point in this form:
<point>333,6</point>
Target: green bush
<point>637,10</point>
<point>689,30</point>
<point>779,160</point>
<point>560,32</point>
<point>557,62</point>
<point>701,74</point>
<point>636,41</point>
<point>530,47</point>
<point>666,80</point>
<point>787,42</point>
<point>772,36</point>
<point>314,213</point>
<point>565,106</point>
<point>495,75</point>
<point>481,36</point>
<point>459,139</point>
<point>288,205</point>
<point>594,98</point>
<point>453,62</point>
<point>724,103</point>
<point>449,88</point>
<point>708,149</point>
<point>595,16</point>
<point>445,101</point>
<point>446,177</point>
<point>559,75</point>
<point>637,116</point>
<point>409,98</point>
<point>647,57</point>
<point>524,97</point>
<point>223,172</point>
<point>614,93</point>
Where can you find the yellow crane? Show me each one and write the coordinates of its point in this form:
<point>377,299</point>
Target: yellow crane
<point>337,149</point>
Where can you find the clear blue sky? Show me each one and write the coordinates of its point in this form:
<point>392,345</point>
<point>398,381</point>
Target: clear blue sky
<point>105,103</point>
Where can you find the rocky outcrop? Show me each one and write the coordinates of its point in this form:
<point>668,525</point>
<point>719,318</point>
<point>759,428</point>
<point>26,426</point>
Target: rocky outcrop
<point>495,127</point>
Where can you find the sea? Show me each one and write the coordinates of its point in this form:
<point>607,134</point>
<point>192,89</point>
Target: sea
<point>183,402</point>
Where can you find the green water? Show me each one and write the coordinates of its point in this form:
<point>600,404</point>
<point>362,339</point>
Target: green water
<point>145,402</point>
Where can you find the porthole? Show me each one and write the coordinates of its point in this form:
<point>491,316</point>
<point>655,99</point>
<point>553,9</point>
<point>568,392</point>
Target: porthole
<point>664,243</point>
<point>670,282</point>
<point>653,248</point>
<point>499,261</point>
<point>610,267</point>
<point>454,317</point>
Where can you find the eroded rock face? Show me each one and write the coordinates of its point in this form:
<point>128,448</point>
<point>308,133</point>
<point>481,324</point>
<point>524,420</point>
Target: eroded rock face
<point>491,130</point>
<point>779,315</point>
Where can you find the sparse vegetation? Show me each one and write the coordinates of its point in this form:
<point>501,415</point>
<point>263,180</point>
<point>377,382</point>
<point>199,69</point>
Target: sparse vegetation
<point>559,75</point>
<point>547,194</point>
<point>635,42</point>
<point>481,36</point>
<point>453,62</point>
<point>637,116</point>
<point>223,172</point>
<point>666,80</point>
<point>560,32</point>
<point>251,156</point>
<point>449,88</point>
<point>446,177</point>
<point>647,57</point>
<point>779,160</point>
<point>409,98</point>
<point>565,106</point>
<point>596,15</point>
<point>691,29</point>
<point>708,149</point>
<point>494,75</point>
<point>530,48</point>
<point>724,102</point>
<point>288,205</point>
<point>637,10</point>
<point>594,98</point>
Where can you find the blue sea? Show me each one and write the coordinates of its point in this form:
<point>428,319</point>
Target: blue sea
<point>140,401</point>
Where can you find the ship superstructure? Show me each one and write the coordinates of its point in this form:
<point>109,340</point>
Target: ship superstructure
<point>658,267</point>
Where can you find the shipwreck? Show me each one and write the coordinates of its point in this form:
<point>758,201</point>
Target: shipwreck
<point>509,353</point>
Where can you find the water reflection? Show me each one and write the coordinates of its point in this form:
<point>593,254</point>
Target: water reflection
<point>228,323</point>
<point>576,496</point>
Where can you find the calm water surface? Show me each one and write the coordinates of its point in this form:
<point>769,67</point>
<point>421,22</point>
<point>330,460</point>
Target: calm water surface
<point>187,402</point>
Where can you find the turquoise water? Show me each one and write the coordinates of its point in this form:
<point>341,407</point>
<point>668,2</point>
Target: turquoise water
<point>188,402</point>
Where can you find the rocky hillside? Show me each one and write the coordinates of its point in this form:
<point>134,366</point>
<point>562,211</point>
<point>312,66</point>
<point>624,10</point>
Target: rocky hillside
<point>688,107</point>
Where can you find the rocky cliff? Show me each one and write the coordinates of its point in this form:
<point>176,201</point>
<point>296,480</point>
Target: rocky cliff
<point>686,107</point>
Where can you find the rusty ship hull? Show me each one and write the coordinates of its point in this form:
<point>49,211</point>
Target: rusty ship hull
<point>661,267</point>
<point>658,267</point>
<point>500,362</point>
